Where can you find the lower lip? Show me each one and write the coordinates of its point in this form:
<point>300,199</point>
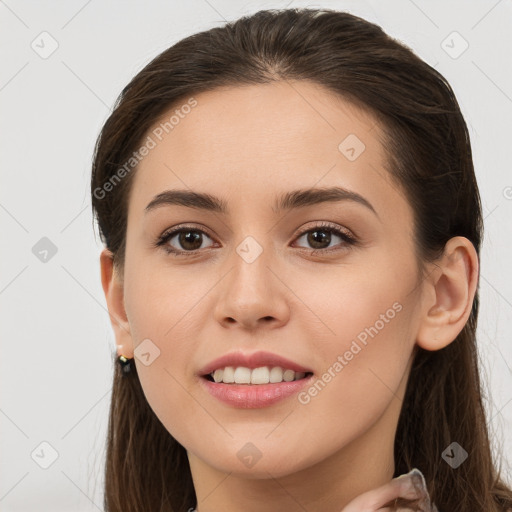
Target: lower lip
<point>247,396</point>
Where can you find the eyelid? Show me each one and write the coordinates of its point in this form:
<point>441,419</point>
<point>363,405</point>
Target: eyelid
<point>182,227</point>
<point>164,238</point>
<point>348,237</point>
<point>319,224</point>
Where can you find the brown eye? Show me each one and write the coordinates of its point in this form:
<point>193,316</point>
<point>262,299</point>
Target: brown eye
<point>190,240</point>
<point>186,241</point>
<point>183,240</point>
<point>320,237</point>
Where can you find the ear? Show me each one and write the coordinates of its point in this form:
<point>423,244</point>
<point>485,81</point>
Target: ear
<point>448,296</point>
<point>113,289</point>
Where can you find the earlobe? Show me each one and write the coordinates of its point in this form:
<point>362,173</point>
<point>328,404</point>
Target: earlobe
<point>450,290</point>
<point>114,290</point>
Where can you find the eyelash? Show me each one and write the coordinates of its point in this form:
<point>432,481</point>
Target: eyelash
<point>325,226</point>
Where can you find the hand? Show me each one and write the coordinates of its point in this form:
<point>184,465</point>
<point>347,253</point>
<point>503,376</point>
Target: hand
<point>405,493</point>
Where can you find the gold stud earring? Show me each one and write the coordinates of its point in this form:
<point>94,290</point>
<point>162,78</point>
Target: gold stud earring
<point>125,363</point>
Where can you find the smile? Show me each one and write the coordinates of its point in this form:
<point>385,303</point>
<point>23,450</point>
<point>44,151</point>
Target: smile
<point>248,395</point>
<point>255,376</point>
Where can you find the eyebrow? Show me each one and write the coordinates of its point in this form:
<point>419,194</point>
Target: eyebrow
<point>288,201</point>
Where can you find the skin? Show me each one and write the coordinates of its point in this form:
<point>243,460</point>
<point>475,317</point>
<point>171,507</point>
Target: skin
<point>245,145</point>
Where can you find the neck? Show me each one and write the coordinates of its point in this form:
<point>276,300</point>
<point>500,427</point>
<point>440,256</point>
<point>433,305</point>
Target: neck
<point>328,486</point>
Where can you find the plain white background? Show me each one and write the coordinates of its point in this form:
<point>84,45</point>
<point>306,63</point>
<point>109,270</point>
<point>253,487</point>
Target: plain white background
<point>55,331</point>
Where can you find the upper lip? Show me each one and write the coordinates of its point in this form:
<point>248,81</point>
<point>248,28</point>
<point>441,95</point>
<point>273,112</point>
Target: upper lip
<point>254,360</point>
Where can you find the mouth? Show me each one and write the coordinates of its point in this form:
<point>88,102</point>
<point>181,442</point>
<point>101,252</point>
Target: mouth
<point>241,375</point>
<point>254,388</point>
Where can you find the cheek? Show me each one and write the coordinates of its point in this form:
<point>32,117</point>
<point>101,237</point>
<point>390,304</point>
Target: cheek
<point>358,304</point>
<point>167,320</point>
<point>164,305</point>
<point>359,383</point>
<point>363,342</point>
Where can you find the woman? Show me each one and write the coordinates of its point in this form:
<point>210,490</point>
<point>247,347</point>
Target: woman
<point>292,229</point>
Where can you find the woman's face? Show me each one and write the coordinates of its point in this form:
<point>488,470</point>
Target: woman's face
<point>257,278</point>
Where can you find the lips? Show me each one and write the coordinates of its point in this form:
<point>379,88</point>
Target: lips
<point>253,395</point>
<point>254,360</point>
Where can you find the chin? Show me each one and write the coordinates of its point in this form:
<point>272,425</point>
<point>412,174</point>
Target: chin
<point>261,460</point>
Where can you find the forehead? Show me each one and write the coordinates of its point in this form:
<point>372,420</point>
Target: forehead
<point>255,122</point>
<point>261,140</point>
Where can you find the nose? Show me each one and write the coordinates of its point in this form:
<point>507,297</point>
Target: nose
<point>252,295</point>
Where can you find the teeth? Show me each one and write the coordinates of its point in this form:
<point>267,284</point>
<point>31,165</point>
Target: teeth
<point>276,374</point>
<point>228,375</point>
<point>288,375</point>
<point>242,375</point>
<point>218,375</point>
<point>261,375</point>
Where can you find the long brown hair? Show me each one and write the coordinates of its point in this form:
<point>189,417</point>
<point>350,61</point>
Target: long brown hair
<point>428,156</point>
